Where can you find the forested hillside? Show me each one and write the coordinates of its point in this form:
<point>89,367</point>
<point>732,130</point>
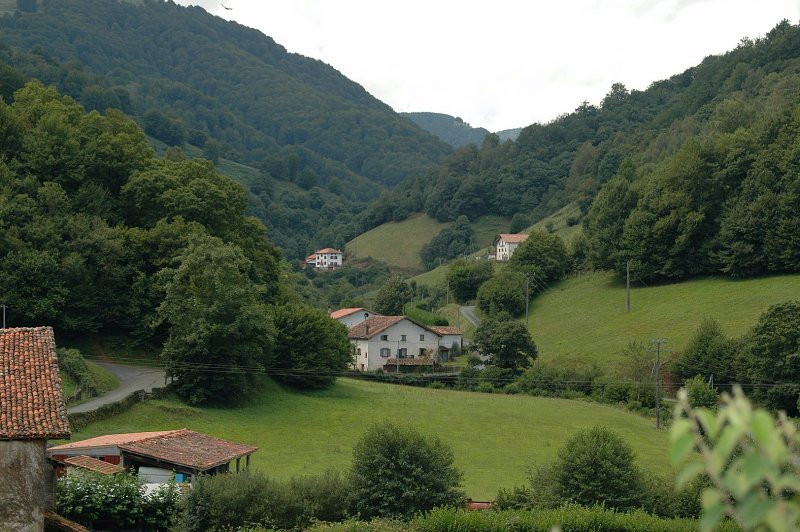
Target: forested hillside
<point>697,174</point>
<point>191,78</point>
<point>452,130</point>
<point>97,233</point>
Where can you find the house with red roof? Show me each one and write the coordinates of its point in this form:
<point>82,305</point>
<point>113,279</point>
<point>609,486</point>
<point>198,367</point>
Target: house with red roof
<point>507,244</point>
<point>32,411</point>
<point>350,317</point>
<point>392,342</point>
<point>325,260</point>
<point>156,456</point>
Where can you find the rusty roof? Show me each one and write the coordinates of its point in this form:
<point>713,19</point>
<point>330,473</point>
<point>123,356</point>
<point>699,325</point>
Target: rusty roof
<point>336,314</point>
<point>93,464</point>
<point>107,440</point>
<point>189,449</point>
<point>443,330</point>
<point>374,325</point>
<point>31,400</point>
<point>514,238</point>
<point>421,361</point>
<point>328,250</point>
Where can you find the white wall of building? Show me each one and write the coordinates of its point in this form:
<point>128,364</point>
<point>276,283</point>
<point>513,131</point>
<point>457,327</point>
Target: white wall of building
<point>351,320</point>
<point>404,335</point>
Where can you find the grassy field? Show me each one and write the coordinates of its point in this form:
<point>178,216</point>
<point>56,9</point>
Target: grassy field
<point>583,320</point>
<point>559,221</point>
<point>398,244</point>
<point>494,437</point>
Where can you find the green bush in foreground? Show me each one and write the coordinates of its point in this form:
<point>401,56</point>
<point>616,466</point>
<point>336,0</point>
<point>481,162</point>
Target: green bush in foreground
<point>567,519</point>
<point>398,472</point>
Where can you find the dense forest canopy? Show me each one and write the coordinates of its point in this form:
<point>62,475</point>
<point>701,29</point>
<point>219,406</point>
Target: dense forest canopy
<point>695,175</point>
<point>190,78</point>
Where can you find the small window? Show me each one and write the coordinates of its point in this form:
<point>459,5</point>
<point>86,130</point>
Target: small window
<point>402,353</point>
<point>385,352</point>
<point>385,337</point>
<point>402,337</point>
<point>421,337</point>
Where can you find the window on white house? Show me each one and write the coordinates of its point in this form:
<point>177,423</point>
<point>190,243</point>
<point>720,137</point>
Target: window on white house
<point>402,337</point>
<point>385,337</point>
<point>402,353</point>
<point>385,352</point>
<point>421,337</point>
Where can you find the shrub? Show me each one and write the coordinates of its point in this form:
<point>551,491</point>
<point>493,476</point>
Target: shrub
<point>398,472</point>
<point>225,502</point>
<point>596,466</point>
<point>701,394</point>
<point>91,498</point>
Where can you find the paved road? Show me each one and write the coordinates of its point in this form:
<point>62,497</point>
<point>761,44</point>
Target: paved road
<point>469,313</point>
<point>131,378</point>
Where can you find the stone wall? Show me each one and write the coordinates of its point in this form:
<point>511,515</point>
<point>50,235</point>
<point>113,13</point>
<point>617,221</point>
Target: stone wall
<point>26,485</point>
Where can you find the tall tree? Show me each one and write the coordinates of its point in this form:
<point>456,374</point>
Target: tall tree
<point>311,349</point>
<point>508,344</point>
<point>392,297</point>
<point>220,332</point>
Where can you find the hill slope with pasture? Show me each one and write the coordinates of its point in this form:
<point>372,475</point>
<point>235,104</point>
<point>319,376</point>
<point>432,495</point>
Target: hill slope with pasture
<point>583,320</point>
<point>308,433</point>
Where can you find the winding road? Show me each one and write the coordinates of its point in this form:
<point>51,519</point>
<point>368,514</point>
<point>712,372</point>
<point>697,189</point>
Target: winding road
<point>131,379</point>
<point>469,314</point>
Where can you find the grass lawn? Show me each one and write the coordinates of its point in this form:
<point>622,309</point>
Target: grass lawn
<point>559,222</point>
<point>104,379</point>
<point>494,437</point>
<point>583,320</point>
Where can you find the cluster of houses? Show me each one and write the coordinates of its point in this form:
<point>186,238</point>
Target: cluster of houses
<point>396,343</point>
<point>33,411</point>
<point>328,259</point>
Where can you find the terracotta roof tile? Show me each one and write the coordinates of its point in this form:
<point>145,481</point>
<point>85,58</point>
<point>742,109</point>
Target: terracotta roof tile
<point>31,401</point>
<point>336,314</point>
<point>443,330</point>
<point>421,361</point>
<point>189,448</point>
<point>514,237</point>
<point>107,440</point>
<point>328,250</point>
<point>374,325</point>
<point>93,464</point>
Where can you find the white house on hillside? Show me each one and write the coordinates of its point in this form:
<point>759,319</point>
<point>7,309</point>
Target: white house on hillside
<point>327,259</point>
<point>350,317</point>
<point>449,336</point>
<point>507,244</point>
<point>381,338</point>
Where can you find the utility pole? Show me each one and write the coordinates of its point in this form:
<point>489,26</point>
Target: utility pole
<point>628,284</point>
<point>528,297</point>
<point>658,342</point>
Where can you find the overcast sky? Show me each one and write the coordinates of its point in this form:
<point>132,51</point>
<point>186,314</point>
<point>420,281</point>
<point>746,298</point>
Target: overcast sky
<point>506,63</point>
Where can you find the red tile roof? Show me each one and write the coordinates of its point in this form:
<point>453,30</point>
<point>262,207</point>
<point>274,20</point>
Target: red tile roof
<point>514,238</point>
<point>93,464</point>
<point>422,361</point>
<point>336,314</point>
<point>443,330</point>
<point>374,325</point>
<point>31,401</point>
<point>328,250</point>
<point>189,449</point>
<point>107,440</point>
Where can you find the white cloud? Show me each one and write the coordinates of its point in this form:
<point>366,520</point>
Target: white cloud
<point>507,63</point>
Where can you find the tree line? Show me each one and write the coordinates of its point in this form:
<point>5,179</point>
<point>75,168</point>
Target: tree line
<point>97,233</point>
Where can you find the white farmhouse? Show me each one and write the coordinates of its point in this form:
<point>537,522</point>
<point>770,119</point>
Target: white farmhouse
<point>327,259</point>
<point>380,338</point>
<point>507,243</point>
<point>350,317</point>
<point>448,337</point>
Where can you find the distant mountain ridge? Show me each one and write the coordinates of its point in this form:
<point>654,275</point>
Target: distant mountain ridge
<point>192,78</point>
<point>452,130</point>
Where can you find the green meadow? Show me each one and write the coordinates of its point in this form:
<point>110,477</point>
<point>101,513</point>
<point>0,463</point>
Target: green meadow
<point>495,438</point>
<point>583,320</point>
